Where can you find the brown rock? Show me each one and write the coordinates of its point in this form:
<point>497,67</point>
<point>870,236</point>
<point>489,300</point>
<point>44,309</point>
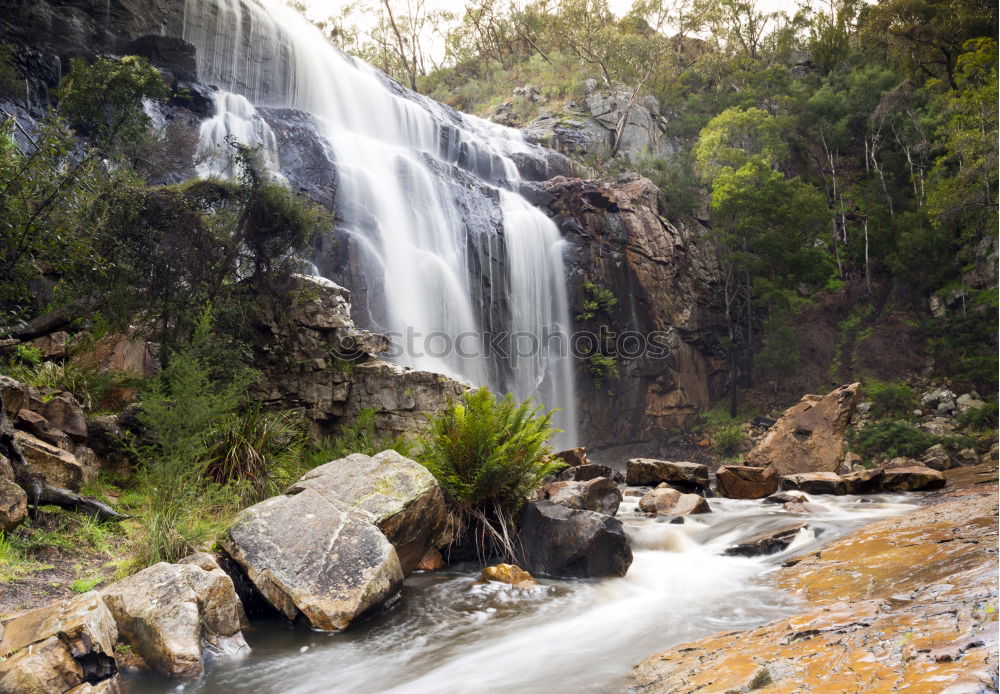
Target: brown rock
<point>601,495</point>
<point>52,345</point>
<point>809,436</point>
<point>65,414</point>
<point>864,481</point>
<point>814,483</point>
<point>803,507</point>
<point>431,561</point>
<point>573,456</point>
<point>744,482</point>
<point>936,457</point>
<point>59,468</point>
<point>508,573</point>
<point>912,479</point>
<point>587,472</point>
<point>766,542</point>
<point>667,500</point>
<point>14,395</point>
<point>679,474</point>
<point>785,498</point>
<point>13,504</point>
<point>39,427</point>
<point>900,462</point>
<point>129,354</point>
<point>850,462</point>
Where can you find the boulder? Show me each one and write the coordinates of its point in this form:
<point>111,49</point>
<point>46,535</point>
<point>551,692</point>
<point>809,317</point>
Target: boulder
<point>809,436</point>
<point>864,481</point>
<point>667,500</point>
<point>968,401</point>
<point>58,647</point>
<point>744,482</point>
<point>570,543</point>
<point>852,461</point>
<point>396,494</point>
<point>936,457</point>
<point>601,495</point>
<point>59,468</point>
<point>574,457</point>
<point>967,456</point>
<point>175,616</point>
<point>311,556</point>
<point>785,498</point>
<point>912,479</point>
<point>590,471</point>
<point>13,504</point>
<point>14,395</point>
<point>508,573</point>
<point>65,414</point>
<point>766,542</point>
<point>814,483</point>
<point>680,475</point>
<point>941,399</point>
<point>431,561</point>
<point>39,427</point>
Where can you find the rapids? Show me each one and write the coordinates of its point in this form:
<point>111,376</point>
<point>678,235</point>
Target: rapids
<point>450,634</point>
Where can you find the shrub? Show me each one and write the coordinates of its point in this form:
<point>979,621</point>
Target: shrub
<point>891,399</point>
<point>889,438</point>
<point>488,455</point>
<point>601,367</point>
<point>599,300</point>
<point>728,439</point>
<point>984,417</point>
<point>88,384</point>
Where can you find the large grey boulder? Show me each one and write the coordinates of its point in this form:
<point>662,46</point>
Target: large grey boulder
<point>678,474</point>
<point>312,556</point>
<point>177,616</point>
<point>56,648</point>
<point>571,543</point>
<point>600,494</point>
<point>394,493</point>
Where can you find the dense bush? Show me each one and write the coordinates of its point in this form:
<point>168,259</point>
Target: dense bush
<point>890,399</point>
<point>889,438</point>
<point>488,455</point>
<point>982,418</point>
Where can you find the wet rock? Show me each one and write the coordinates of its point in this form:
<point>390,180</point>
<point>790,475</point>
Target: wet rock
<point>809,436</point>
<point>814,483</point>
<point>744,482</point>
<point>590,471</point>
<point>59,468</point>
<point>667,500</point>
<point>912,479</point>
<point>600,494</point>
<point>574,457</point>
<point>177,616</point>
<point>766,542</point>
<point>56,648</point>
<point>169,52</point>
<point>937,458</point>
<point>681,475</point>
<point>397,495</point>
<point>312,557</point>
<point>431,561</point>
<point>558,541</point>
<point>13,504</point>
<point>785,498</point>
<point>508,573</point>
<point>864,481</point>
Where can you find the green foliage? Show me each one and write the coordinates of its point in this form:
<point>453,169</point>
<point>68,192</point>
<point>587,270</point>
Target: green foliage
<point>737,136</point>
<point>85,585</point>
<point>780,351</point>
<point>488,455</point>
<point>598,300</point>
<point>360,435</point>
<point>964,342</point>
<point>890,399</point>
<point>983,418</point>
<point>104,99</point>
<point>89,384</point>
<point>27,355</point>
<point>726,432</point>
<point>602,367</point>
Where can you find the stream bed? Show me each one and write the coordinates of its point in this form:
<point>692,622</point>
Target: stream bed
<point>451,634</point>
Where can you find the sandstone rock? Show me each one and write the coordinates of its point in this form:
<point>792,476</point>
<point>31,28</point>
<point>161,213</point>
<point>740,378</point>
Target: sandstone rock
<point>937,458</point>
<point>311,556</point>
<point>600,494</point>
<point>431,561</point>
<point>590,471</point>
<point>864,481</point>
<point>176,616</point>
<point>744,482</point>
<point>667,500</point>
<point>809,436</point>
<point>681,475</point>
<point>508,573</point>
<point>13,504</point>
<point>574,457</point>
<point>397,495</point>
<point>65,414</point>
<point>766,542</point>
<point>58,647</point>
<point>941,399</point>
<point>59,468</point>
<point>570,543</point>
<point>814,483</point>
<point>912,479</point>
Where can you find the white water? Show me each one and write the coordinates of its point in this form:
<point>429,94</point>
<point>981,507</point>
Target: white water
<point>450,635</point>
<point>398,156</point>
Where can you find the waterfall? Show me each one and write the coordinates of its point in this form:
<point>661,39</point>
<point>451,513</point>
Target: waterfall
<point>427,196</point>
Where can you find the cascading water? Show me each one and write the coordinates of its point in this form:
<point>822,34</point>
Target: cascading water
<point>427,196</point>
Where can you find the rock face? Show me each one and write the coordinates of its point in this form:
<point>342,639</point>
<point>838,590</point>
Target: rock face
<point>558,541</point>
<point>397,495</point>
<point>912,479</point>
<point>600,494</point>
<point>174,615</point>
<point>744,482</point>
<point>898,606</point>
<point>809,436</point>
<point>58,647</point>
<point>814,483</point>
<point>766,542</point>
<point>311,556</point>
<point>666,500</point>
<point>680,475</point>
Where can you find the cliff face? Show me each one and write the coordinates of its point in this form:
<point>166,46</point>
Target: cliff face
<point>663,277</point>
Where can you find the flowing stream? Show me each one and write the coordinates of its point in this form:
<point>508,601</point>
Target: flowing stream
<point>450,634</point>
<point>449,251</point>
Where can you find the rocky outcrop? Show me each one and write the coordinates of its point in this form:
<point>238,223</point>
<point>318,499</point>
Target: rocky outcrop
<point>680,475</point>
<point>177,616</point>
<point>668,501</point>
<point>744,482</point>
<point>570,543</point>
<point>905,604</point>
<point>397,495</point>
<point>600,494</point>
<point>56,648</point>
<point>766,542</point>
<point>809,436</point>
<point>814,483</point>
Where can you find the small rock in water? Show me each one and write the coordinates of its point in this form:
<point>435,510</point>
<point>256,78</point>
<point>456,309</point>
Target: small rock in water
<point>508,573</point>
<point>767,542</point>
<point>431,561</point>
<point>785,498</point>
